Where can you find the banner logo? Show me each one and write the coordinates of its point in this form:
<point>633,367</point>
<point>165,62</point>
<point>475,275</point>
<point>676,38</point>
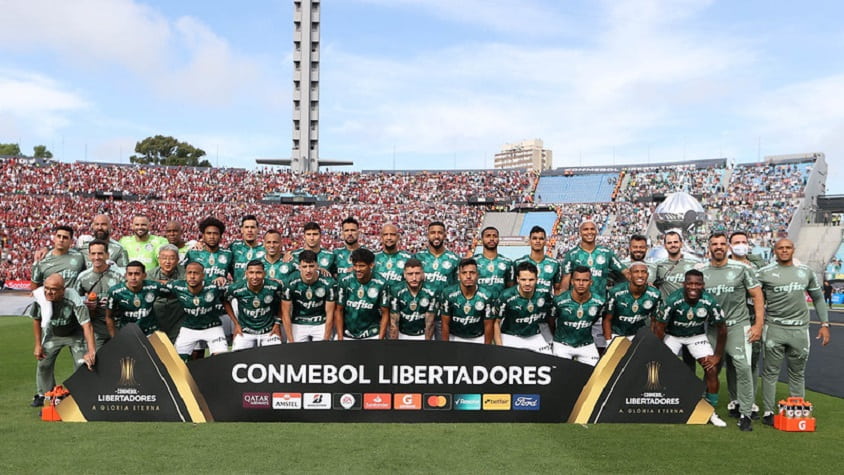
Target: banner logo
<point>411,402</point>
<point>317,401</point>
<point>256,400</point>
<point>127,373</point>
<point>653,376</point>
<point>526,402</point>
<point>467,402</point>
<point>287,400</point>
<point>496,402</point>
<point>436,402</point>
<point>348,401</point>
<point>376,401</point>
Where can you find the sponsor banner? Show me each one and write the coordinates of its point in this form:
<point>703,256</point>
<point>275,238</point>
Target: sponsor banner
<point>317,401</point>
<point>18,284</point>
<point>392,381</point>
<point>287,400</point>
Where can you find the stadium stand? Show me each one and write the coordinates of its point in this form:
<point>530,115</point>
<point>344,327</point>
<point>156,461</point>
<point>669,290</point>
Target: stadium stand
<point>588,188</point>
<point>545,219</point>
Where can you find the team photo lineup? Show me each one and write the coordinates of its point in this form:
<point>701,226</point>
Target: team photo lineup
<point>259,285</point>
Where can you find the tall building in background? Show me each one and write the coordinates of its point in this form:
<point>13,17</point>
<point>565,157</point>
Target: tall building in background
<point>525,154</point>
<point>305,154</point>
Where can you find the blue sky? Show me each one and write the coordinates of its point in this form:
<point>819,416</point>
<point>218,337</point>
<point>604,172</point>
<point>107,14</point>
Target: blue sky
<point>431,83</point>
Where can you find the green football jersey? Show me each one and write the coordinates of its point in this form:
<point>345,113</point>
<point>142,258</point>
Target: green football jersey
<point>729,284</point>
<point>135,307</point>
<point>574,320</point>
<point>116,253</point>
<point>242,253</point>
<point>520,316</point>
<point>671,274</point>
<point>494,274</point>
<point>683,319</point>
<point>602,261</point>
<point>96,284</point>
<point>549,272</point>
<point>202,310</point>
<point>217,264</point>
<point>279,270</point>
<point>629,313</point>
<point>68,314</point>
<point>440,271</point>
<point>342,261</point>
<point>68,265</point>
<point>391,266</point>
<point>785,290</point>
<point>144,251</point>
<point>308,300</point>
<point>467,314</point>
<point>257,312</point>
<point>412,309</point>
<point>362,304</point>
<point>325,260</point>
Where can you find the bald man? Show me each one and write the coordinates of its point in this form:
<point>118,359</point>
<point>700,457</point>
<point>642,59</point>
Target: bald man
<point>390,260</point>
<point>786,330</point>
<point>70,325</point>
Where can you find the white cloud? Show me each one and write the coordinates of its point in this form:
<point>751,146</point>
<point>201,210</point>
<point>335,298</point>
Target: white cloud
<point>35,105</point>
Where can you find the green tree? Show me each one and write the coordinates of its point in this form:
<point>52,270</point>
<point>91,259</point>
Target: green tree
<point>161,150</point>
<point>10,149</point>
<point>40,151</point>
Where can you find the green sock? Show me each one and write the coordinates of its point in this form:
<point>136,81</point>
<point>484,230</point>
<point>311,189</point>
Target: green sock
<point>712,398</point>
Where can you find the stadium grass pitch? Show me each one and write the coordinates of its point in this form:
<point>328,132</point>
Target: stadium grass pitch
<point>30,445</point>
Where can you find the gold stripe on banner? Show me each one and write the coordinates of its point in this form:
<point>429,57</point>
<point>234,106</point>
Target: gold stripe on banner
<point>185,384</point>
<point>601,375</point>
<point>69,411</point>
<point>703,411</point>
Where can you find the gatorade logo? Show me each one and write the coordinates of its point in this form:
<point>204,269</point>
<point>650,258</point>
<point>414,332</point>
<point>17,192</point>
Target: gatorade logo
<point>496,402</point>
<point>436,402</point>
<point>376,401</point>
<point>407,402</point>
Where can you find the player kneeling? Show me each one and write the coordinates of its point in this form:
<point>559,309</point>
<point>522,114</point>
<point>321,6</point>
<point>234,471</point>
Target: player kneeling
<point>202,306</point>
<point>258,320</point>
<point>682,324</point>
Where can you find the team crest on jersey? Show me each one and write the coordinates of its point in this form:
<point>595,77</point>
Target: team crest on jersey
<point>74,261</point>
<point>690,315</point>
<point>593,311</point>
<point>600,259</point>
<point>801,274</point>
<point>272,272</point>
<point>548,269</point>
<point>136,302</point>
<point>647,304</point>
<point>446,265</point>
<point>635,307</point>
<point>209,297</point>
<point>223,259</point>
<point>249,254</point>
<point>436,265</point>
<point>372,292</point>
<point>540,301</point>
<point>731,275</point>
<point>530,307</point>
<point>424,302</point>
<point>196,300</point>
<point>701,312</point>
<point>400,264</point>
<point>285,268</point>
<point>389,265</point>
<point>268,298</point>
<point>323,262</point>
<point>320,292</point>
<point>148,247</point>
<point>479,305</point>
<point>256,303</point>
<point>149,297</point>
<point>490,267</point>
<point>112,282</point>
<point>502,266</point>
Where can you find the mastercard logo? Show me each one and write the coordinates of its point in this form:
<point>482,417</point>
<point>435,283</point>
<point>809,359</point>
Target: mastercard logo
<point>437,402</point>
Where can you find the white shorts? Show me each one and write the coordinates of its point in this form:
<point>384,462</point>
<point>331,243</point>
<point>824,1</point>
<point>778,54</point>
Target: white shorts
<point>302,333</point>
<point>585,354</point>
<point>402,336</point>
<point>214,337</point>
<point>534,342</point>
<point>350,337</point>
<point>545,331</point>
<point>245,341</point>
<point>598,333</point>
<point>477,339</point>
<point>698,345</point>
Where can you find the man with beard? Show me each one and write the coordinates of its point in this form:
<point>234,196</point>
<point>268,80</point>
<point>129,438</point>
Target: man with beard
<point>637,250</point>
<point>468,311</point>
<point>200,302</point>
<point>785,285</point>
<point>572,315</point>
<point>670,273</point>
<point>101,226</point>
<point>307,302</point>
<point>495,272</point>
<point>731,283</point>
<point>132,301</point>
<point>93,284</point>
<point>631,305</point>
<point>604,265</point>
<point>521,309</point>
<point>247,247</point>
<point>168,309</point>
<point>439,266</point>
<point>277,269</point>
<point>682,325</point>
<point>258,319</point>
<point>413,305</point>
<point>217,262</point>
<point>390,261</point>
<point>142,246</point>
<point>363,305</point>
<point>350,232</point>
